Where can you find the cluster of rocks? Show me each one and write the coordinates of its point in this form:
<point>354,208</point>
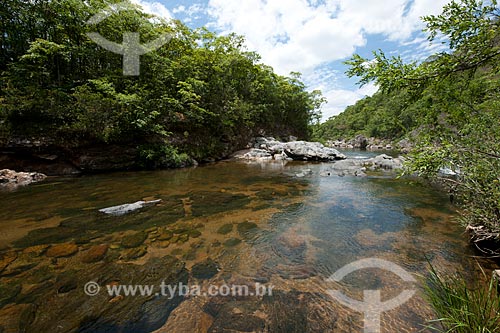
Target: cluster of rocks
<point>362,142</point>
<point>358,167</point>
<point>261,149</point>
<point>11,179</point>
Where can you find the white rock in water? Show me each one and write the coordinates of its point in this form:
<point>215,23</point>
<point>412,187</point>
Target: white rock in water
<point>127,208</point>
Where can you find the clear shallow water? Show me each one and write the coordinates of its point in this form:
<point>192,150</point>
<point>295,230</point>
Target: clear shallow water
<point>255,222</point>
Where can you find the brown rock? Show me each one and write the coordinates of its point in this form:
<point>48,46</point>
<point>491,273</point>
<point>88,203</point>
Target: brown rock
<point>166,235</point>
<point>293,241</point>
<point>12,179</point>
<point>95,253</point>
<point>134,240</point>
<point>164,244</point>
<point>188,317</point>
<point>15,317</point>
<point>62,250</point>
<point>35,251</point>
<point>116,299</point>
<point>6,259</point>
<point>134,253</point>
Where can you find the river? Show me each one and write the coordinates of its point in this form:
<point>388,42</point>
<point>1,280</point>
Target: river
<point>288,226</point>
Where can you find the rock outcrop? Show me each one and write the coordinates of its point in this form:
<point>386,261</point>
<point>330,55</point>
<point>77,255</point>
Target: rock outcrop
<point>11,179</point>
<point>361,142</point>
<point>311,151</point>
<point>359,167</point>
<point>264,149</point>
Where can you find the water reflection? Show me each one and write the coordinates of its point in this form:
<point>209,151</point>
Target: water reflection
<point>280,223</point>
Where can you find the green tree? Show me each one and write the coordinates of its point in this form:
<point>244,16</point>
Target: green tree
<point>454,97</point>
<point>201,94</point>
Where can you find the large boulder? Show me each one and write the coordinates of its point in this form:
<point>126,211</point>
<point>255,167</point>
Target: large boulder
<point>262,149</point>
<point>360,142</point>
<point>386,162</point>
<point>311,151</point>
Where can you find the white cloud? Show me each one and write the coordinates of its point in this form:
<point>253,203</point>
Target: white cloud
<point>179,9</point>
<point>290,35</point>
<point>297,35</point>
<point>339,99</point>
<point>155,8</point>
<point>301,35</point>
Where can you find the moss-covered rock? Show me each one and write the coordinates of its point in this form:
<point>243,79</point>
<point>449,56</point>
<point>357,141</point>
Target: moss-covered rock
<point>205,270</point>
<point>134,253</point>
<point>134,240</point>
<point>62,250</point>
<point>183,238</point>
<point>225,229</point>
<point>194,233</point>
<point>165,235</point>
<point>95,253</point>
<point>209,203</point>
<point>232,242</point>
<point>246,227</point>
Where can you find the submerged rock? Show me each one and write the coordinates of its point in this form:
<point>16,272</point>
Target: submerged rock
<point>6,259</point>
<point>205,270</point>
<point>245,227</point>
<point>277,311</point>
<point>74,311</point>
<point>13,317</point>
<point>11,179</point>
<point>134,253</point>
<point>35,251</point>
<point>188,318</point>
<point>62,250</point>
<point>231,242</point>
<point>165,235</point>
<point>22,264</point>
<point>134,240</point>
<point>128,208</point>
<point>95,253</point>
<point>225,229</point>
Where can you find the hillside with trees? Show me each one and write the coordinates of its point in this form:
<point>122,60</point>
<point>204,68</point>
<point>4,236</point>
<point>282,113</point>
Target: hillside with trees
<point>200,96</point>
<point>449,105</point>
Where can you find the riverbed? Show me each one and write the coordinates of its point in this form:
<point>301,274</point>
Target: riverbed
<point>285,225</point>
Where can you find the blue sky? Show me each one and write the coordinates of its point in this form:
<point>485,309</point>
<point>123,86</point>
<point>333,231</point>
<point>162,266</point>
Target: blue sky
<point>314,37</point>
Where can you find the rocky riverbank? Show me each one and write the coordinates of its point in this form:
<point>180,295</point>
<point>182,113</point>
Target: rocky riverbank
<point>362,142</point>
<point>262,149</point>
<point>269,149</point>
<point>359,167</point>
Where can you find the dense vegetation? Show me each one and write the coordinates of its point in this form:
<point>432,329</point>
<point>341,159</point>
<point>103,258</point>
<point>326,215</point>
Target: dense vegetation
<point>449,105</point>
<point>199,94</point>
<point>385,115</point>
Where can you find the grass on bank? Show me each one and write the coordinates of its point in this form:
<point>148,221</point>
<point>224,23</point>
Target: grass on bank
<point>462,309</point>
